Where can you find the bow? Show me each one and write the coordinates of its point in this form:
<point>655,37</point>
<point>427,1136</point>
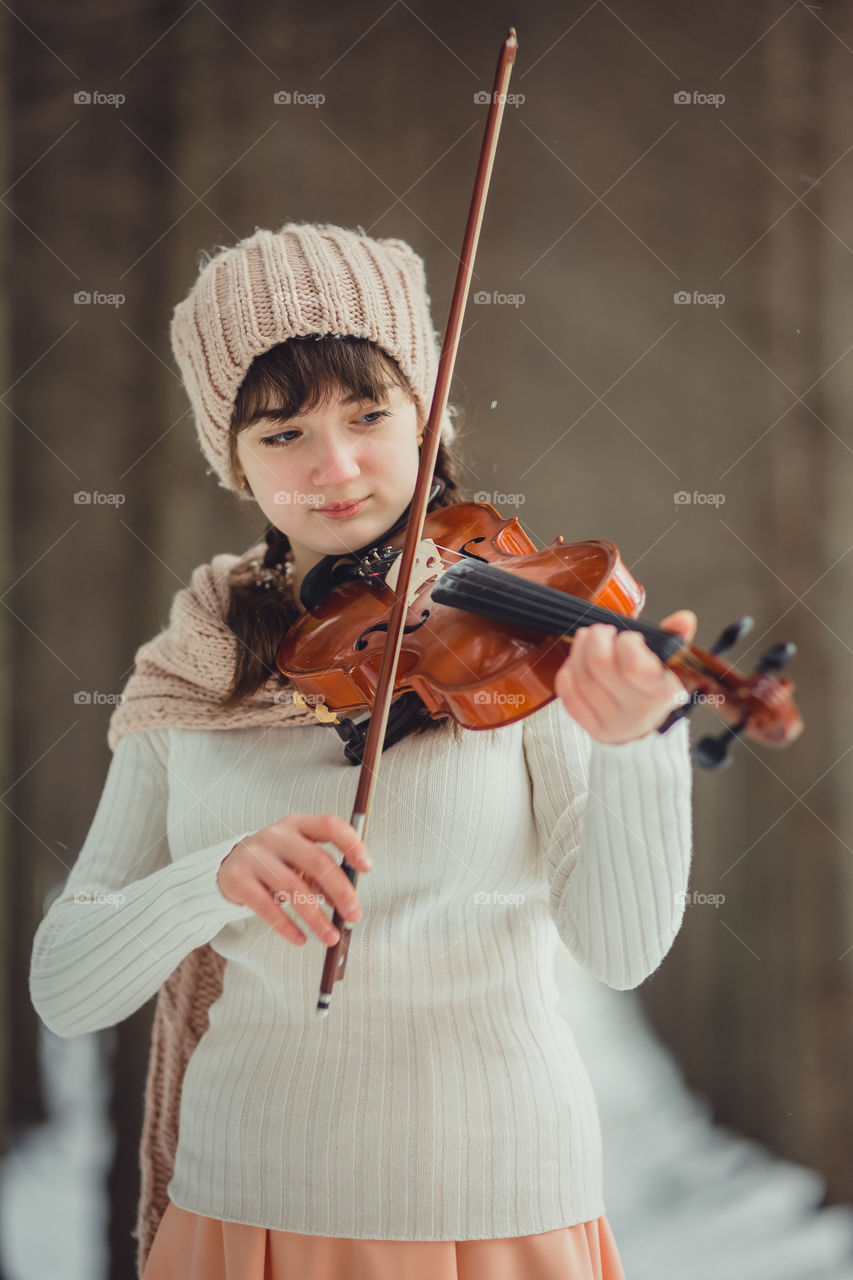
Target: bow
<point>336,955</point>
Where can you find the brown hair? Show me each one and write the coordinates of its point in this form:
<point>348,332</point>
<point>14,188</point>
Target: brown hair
<point>303,373</point>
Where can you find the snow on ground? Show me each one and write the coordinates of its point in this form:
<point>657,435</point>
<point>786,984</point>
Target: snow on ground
<point>53,1210</point>
<point>687,1199</point>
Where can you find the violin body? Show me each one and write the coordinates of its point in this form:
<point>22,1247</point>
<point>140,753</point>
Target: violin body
<point>490,657</point>
<point>483,676</point>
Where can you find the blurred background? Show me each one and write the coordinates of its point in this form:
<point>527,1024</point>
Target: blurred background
<point>656,351</point>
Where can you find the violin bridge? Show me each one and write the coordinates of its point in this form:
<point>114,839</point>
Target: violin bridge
<point>428,565</point>
<point>320,710</point>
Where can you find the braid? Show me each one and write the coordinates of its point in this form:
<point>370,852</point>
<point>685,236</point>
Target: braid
<point>259,617</point>
<point>278,547</point>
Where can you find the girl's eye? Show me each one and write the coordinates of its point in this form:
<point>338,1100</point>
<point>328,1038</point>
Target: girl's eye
<point>375,416</point>
<point>273,441</point>
<point>372,419</point>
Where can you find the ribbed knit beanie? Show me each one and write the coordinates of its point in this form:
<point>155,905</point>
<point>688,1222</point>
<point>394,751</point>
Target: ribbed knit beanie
<point>305,278</point>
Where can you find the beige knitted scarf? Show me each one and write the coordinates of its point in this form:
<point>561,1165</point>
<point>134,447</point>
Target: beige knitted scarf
<point>178,679</point>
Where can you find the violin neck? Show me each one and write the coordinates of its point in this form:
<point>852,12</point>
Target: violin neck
<point>482,588</point>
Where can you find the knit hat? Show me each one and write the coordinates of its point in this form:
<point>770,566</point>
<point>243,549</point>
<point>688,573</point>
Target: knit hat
<point>305,278</point>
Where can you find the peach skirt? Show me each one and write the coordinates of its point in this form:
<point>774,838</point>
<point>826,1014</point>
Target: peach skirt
<point>189,1246</point>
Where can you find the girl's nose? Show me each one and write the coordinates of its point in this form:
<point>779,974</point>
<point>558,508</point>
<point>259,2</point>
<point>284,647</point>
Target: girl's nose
<point>338,465</point>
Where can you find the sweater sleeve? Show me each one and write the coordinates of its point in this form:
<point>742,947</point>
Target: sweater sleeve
<point>614,825</point>
<point>127,915</point>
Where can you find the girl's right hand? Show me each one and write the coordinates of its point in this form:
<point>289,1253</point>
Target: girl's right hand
<point>284,863</point>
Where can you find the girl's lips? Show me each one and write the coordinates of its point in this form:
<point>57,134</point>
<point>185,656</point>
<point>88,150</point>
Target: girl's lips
<point>343,513</point>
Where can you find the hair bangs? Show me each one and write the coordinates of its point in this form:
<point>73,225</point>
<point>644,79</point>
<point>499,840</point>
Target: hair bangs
<point>302,374</point>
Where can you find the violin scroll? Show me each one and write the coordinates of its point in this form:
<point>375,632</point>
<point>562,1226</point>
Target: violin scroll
<point>758,705</point>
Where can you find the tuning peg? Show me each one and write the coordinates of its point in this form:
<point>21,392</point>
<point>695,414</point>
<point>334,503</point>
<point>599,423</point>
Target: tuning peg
<point>713,753</point>
<point>776,657</point>
<point>732,635</point>
<point>727,639</point>
<point>679,713</point>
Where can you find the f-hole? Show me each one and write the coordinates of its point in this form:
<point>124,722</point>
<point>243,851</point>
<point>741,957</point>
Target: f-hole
<point>361,642</point>
<point>465,552</point>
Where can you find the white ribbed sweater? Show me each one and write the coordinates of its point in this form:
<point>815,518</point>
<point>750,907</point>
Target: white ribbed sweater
<point>442,1098</point>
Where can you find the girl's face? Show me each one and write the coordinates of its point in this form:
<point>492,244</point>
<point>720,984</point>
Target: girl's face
<point>362,452</point>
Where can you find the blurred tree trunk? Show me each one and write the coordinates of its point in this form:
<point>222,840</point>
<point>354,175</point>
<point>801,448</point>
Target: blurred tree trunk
<point>766,1031</point>
<point>93,201</point>
<point>7,887</point>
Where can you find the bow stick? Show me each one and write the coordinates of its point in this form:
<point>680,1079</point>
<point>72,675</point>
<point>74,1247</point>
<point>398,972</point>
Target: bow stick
<point>336,955</point>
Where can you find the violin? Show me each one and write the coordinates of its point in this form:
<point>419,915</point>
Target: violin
<point>489,622</point>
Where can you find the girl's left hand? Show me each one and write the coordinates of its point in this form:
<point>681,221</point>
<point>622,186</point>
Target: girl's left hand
<point>613,685</point>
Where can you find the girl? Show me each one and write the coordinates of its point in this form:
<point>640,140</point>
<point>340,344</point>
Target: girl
<point>440,1122</point>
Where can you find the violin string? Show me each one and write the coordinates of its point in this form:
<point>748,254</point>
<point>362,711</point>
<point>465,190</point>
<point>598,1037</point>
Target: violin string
<point>586,609</point>
<point>515,593</point>
<point>599,612</point>
<point>511,598</point>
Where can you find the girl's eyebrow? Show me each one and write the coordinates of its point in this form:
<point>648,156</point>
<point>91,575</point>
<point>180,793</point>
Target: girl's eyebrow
<point>279,415</point>
<point>275,415</point>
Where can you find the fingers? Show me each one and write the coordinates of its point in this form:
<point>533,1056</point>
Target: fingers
<point>329,828</point>
<point>263,903</point>
<point>648,683</point>
<point>638,666</point>
<point>616,664</point>
<point>683,622</point>
<point>588,653</point>
<point>613,684</point>
<point>284,865</point>
<point>323,869</point>
<point>283,885</point>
